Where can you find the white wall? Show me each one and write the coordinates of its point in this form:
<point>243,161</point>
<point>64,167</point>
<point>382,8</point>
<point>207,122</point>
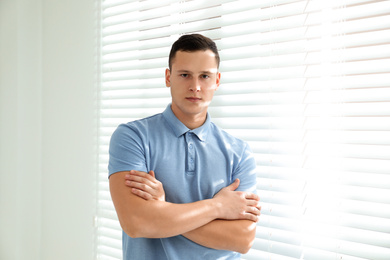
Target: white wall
<point>47,129</point>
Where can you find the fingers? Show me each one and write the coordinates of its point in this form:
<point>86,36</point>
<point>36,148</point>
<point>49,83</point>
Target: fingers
<point>140,186</point>
<point>252,196</point>
<point>253,203</point>
<point>142,194</point>
<point>253,206</point>
<point>141,181</point>
<point>140,177</point>
<point>145,185</point>
<point>234,185</point>
<point>252,213</point>
<point>253,210</point>
<point>252,217</point>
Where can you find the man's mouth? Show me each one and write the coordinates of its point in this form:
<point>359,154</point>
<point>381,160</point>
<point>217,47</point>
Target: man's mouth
<point>193,99</point>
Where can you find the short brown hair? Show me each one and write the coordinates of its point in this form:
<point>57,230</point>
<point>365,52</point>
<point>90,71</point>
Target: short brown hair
<point>192,43</point>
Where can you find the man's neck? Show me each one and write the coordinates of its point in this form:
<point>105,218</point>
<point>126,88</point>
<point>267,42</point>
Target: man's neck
<point>194,122</point>
<point>190,121</point>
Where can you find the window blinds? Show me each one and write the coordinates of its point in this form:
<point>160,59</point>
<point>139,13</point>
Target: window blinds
<point>305,83</point>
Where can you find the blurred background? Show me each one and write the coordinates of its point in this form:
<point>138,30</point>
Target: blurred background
<point>47,129</point>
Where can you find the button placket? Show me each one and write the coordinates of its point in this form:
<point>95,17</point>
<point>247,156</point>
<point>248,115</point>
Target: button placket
<point>191,153</point>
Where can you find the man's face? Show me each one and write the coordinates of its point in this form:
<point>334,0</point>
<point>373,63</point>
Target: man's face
<point>193,79</point>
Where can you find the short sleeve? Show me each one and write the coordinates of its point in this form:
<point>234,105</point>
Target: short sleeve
<point>246,171</point>
<point>126,151</point>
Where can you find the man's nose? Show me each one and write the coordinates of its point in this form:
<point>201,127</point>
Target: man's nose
<point>195,85</point>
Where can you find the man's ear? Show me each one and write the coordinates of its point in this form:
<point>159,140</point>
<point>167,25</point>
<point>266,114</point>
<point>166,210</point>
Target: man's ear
<point>218,80</point>
<point>167,78</point>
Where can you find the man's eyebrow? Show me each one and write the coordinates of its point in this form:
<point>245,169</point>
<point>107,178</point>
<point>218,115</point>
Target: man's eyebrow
<point>184,71</point>
<point>211,71</point>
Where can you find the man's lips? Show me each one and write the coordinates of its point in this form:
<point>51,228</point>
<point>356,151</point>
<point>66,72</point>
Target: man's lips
<point>193,99</point>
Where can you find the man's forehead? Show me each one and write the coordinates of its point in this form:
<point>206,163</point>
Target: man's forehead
<point>208,71</point>
<point>194,55</point>
<point>195,62</point>
<point>206,52</point>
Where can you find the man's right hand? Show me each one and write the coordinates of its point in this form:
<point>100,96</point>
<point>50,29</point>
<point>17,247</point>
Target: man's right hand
<point>237,204</point>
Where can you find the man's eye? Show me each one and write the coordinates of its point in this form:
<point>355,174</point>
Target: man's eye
<point>205,76</point>
<point>184,75</point>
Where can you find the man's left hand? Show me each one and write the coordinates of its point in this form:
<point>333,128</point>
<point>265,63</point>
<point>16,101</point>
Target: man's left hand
<point>145,185</point>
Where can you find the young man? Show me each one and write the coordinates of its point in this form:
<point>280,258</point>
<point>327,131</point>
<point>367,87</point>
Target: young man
<point>182,187</point>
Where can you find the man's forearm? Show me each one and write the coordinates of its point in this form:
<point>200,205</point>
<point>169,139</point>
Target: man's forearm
<point>233,235</point>
<point>162,219</point>
<point>158,219</point>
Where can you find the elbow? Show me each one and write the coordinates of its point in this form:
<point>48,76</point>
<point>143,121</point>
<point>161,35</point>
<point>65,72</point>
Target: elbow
<point>132,232</point>
<point>138,226</point>
<point>248,240</point>
<point>245,247</point>
<point>133,228</point>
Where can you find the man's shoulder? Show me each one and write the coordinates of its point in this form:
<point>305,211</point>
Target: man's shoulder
<point>218,131</point>
<point>229,138</point>
<point>142,123</point>
<point>137,129</point>
<point>145,120</point>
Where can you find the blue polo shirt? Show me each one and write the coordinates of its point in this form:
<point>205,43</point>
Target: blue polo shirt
<point>192,165</point>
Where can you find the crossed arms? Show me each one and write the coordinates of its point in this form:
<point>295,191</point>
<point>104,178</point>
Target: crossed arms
<point>226,222</point>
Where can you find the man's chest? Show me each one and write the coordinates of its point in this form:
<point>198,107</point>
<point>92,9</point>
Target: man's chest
<point>189,169</point>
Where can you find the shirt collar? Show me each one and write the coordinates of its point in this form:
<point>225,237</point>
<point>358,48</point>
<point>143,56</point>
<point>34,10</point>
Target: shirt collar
<point>180,129</point>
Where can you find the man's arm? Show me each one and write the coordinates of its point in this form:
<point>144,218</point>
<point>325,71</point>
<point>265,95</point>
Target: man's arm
<point>157,219</point>
<point>233,235</point>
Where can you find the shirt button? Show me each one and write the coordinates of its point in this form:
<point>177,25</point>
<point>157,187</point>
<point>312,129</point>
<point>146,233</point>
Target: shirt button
<point>190,146</point>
